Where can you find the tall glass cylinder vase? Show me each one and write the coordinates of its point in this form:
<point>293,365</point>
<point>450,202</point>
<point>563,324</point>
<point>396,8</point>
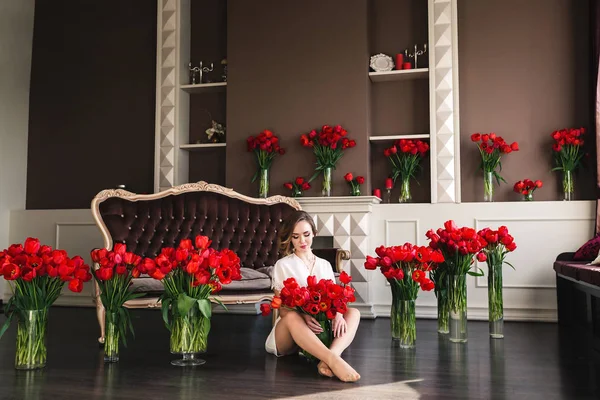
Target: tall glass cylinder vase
<point>31,339</point>
<point>189,336</point>
<point>403,321</point>
<point>326,190</point>
<point>405,196</point>
<point>488,186</point>
<point>111,341</point>
<point>457,299</point>
<point>443,311</point>
<point>263,185</point>
<point>568,185</point>
<point>495,300</point>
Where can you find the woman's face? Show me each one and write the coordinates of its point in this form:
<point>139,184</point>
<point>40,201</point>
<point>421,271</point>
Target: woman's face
<point>302,237</point>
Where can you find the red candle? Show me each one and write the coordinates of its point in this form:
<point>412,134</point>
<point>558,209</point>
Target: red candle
<point>406,65</point>
<point>389,183</point>
<point>377,192</point>
<point>399,61</point>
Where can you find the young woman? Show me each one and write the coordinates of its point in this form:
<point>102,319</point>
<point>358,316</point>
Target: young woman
<point>293,329</point>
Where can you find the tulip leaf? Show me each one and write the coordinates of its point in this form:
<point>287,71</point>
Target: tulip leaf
<point>205,307</point>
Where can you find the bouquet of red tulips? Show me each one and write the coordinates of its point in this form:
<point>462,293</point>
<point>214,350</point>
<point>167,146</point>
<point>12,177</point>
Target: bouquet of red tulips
<point>322,300</point>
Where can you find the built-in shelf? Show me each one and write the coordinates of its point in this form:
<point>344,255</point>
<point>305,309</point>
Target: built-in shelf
<point>396,137</point>
<point>204,87</point>
<point>399,75</point>
<point>198,146</point>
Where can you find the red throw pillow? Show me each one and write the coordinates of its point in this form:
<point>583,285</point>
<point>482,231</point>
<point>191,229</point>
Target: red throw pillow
<point>588,251</point>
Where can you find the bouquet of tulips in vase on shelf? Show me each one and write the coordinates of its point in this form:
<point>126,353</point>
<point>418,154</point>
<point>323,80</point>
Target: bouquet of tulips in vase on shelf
<point>328,145</point>
<point>492,147</point>
<point>113,272</point>
<point>405,156</point>
<point>497,245</point>
<point>191,273</point>
<point>36,274</point>
<point>354,183</point>
<point>568,155</point>
<point>321,299</point>
<point>298,186</point>
<point>526,187</point>
<point>405,267</point>
<point>459,246</point>
<point>265,146</point>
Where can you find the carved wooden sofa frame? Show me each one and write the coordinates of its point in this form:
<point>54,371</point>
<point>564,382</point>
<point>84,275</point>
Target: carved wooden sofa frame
<point>246,225</point>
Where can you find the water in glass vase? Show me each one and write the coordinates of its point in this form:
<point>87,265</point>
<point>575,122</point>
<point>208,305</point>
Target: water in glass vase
<point>457,299</point>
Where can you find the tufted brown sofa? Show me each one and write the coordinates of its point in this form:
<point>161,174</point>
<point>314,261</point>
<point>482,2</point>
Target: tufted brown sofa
<point>248,226</point>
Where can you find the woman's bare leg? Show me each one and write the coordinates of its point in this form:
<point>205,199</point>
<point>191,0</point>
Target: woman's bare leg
<point>340,344</point>
<point>292,330</point>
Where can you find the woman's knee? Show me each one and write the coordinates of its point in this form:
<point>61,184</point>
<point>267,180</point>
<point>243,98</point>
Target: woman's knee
<point>353,313</point>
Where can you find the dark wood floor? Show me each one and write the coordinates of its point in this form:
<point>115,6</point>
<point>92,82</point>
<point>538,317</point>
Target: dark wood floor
<point>534,361</point>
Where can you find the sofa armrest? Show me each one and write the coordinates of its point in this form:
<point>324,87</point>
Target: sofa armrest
<point>334,255</point>
<point>565,256</point>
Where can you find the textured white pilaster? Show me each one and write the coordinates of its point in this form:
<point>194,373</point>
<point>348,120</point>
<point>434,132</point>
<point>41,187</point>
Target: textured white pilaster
<point>444,115</point>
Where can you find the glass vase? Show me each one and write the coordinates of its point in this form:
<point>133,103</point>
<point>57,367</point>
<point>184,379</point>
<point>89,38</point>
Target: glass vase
<point>528,196</point>
<point>568,185</point>
<point>495,300</point>
<point>355,191</point>
<point>31,339</point>
<point>189,336</point>
<point>488,186</point>
<point>403,322</point>
<point>405,195</point>
<point>111,339</point>
<point>388,196</point>
<point>326,337</point>
<point>326,190</point>
<point>296,192</point>
<point>263,183</point>
<point>442,311</point>
<point>457,299</point>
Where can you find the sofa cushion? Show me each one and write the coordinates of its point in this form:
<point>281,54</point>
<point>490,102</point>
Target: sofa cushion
<point>588,251</point>
<point>579,270</point>
<point>251,280</point>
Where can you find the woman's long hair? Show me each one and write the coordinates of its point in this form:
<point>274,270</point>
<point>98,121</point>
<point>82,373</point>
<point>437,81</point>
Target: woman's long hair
<point>284,239</point>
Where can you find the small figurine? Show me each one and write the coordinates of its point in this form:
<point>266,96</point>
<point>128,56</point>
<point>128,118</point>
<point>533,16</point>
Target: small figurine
<point>216,133</point>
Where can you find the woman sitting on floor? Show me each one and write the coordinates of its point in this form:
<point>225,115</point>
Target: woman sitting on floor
<point>293,329</point>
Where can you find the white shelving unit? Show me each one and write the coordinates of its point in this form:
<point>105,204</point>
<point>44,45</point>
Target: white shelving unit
<point>199,146</point>
<point>204,87</point>
<point>396,137</point>
<point>399,75</point>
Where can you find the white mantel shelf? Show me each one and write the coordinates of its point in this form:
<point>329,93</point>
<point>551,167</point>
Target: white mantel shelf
<point>338,203</point>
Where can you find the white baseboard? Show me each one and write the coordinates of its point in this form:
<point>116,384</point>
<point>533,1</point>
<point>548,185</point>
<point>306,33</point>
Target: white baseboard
<point>479,313</point>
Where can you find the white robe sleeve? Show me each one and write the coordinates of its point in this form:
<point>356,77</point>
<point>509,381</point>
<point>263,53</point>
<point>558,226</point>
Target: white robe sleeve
<point>279,275</point>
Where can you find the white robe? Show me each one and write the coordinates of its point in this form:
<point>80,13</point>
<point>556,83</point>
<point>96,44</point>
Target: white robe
<point>293,267</point>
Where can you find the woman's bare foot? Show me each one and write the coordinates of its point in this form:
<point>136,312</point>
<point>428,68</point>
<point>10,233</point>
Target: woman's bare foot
<point>324,370</point>
<point>343,370</point>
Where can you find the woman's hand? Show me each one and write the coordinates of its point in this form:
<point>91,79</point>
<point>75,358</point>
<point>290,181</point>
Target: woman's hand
<point>339,325</point>
<point>312,323</point>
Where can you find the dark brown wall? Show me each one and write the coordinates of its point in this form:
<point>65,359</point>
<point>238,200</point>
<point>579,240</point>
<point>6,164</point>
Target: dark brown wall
<point>92,100</point>
<point>294,66</point>
<point>524,72</point>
